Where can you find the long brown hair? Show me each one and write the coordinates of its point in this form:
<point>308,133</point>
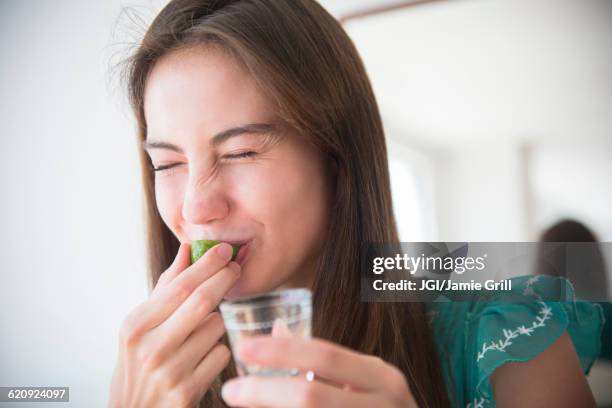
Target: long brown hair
<point>309,68</point>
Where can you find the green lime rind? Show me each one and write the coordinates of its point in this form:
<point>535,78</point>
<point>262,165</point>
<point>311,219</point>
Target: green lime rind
<point>199,248</point>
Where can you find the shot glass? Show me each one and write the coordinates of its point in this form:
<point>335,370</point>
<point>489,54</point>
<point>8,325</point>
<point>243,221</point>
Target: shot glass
<point>286,313</point>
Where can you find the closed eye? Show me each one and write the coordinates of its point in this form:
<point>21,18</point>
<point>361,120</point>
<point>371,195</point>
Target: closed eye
<point>165,166</point>
<point>242,155</point>
<point>236,156</point>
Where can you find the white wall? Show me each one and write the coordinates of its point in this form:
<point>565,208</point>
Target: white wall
<point>413,190</point>
<point>450,71</point>
<point>505,97</point>
<point>71,255</point>
<point>573,178</point>
<point>479,192</point>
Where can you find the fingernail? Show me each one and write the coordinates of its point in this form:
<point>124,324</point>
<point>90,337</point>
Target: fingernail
<point>229,391</point>
<point>224,250</point>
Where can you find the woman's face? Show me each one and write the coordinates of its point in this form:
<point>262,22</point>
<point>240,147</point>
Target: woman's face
<point>235,176</point>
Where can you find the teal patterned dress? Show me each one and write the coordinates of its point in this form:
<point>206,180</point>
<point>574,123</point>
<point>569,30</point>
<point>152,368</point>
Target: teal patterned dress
<point>475,338</point>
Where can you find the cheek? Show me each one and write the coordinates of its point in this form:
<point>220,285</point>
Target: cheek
<point>288,198</point>
<point>169,196</point>
<point>283,196</point>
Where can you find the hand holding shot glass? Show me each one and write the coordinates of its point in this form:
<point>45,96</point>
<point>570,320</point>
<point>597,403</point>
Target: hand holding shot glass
<point>281,365</point>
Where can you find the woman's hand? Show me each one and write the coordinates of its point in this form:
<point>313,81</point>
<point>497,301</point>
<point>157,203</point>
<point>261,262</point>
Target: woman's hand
<point>169,350</point>
<point>343,377</point>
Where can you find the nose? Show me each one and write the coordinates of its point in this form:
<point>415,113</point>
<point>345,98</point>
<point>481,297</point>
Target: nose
<point>204,201</point>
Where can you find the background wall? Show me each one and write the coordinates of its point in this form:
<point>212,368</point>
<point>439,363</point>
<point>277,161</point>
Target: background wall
<point>508,102</point>
<point>71,256</point>
<point>498,115</point>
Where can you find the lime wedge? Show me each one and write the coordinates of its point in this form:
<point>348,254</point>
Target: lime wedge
<point>199,248</point>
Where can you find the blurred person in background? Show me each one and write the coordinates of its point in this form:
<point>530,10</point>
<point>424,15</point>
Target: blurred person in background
<point>591,280</point>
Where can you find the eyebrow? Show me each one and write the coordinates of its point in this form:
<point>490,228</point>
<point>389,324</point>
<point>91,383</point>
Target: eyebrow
<point>251,128</point>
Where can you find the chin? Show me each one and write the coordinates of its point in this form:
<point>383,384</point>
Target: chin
<point>247,286</point>
<point>235,292</point>
<point>241,288</point>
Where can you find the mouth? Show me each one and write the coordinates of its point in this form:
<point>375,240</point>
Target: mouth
<point>243,252</point>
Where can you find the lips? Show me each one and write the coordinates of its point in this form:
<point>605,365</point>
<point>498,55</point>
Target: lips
<point>243,253</point>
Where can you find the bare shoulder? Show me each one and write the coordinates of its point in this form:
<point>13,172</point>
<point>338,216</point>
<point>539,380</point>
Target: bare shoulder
<point>553,378</point>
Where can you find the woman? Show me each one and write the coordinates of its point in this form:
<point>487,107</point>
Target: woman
<point>259,126</point>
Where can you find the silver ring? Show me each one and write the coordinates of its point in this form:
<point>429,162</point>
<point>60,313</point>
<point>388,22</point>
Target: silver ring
<point>310,376</point>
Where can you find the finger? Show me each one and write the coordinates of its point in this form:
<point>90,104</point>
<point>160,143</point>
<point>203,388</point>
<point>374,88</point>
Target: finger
<point>137,321</point>
<point>288,392</point>
<point>197,345</point>
<point>210,366</point>
<point>200,304</point>
<point>328,360</point>
<point>180,263</point>
<point>163,303</point>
